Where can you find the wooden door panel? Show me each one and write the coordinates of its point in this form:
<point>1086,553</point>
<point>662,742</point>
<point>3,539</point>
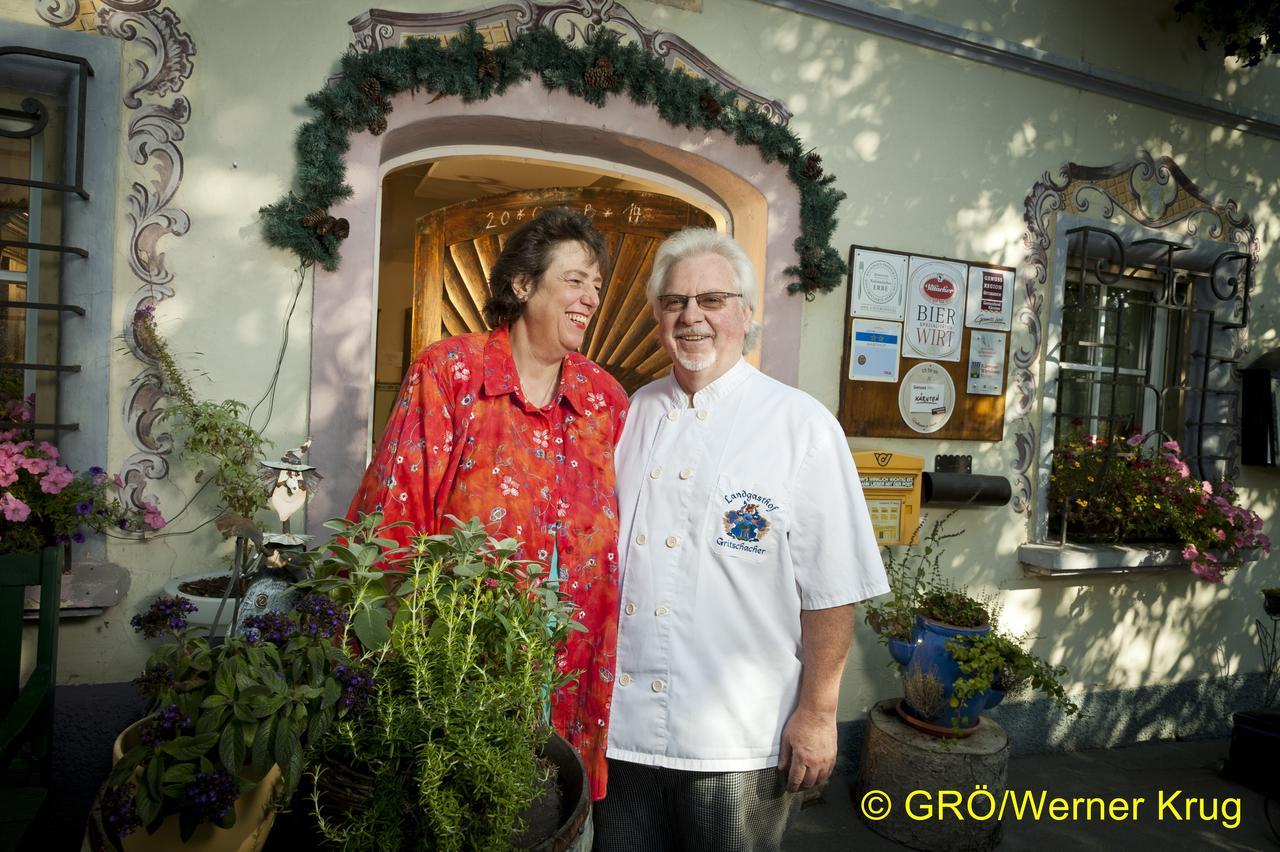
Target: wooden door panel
<point>456,247</point>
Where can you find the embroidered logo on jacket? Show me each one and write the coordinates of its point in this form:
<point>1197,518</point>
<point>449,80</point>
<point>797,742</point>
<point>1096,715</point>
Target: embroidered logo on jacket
<point>745,524</point>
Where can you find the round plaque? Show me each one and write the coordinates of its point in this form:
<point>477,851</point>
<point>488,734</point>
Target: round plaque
<point>926,397</point>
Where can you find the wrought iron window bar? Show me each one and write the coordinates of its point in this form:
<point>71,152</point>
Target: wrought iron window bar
<point>35,114</point>
<point>1100,254</point>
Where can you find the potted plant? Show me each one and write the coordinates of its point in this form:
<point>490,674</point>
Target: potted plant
<point>1134,492</point>
<point>955,662</point>
<point>451,745</point>
<point>219,441</point>
<point>229,728</point>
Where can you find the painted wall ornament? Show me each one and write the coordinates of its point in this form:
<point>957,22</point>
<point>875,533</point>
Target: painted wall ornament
<point>160,54</point>
<point>1154,192</point>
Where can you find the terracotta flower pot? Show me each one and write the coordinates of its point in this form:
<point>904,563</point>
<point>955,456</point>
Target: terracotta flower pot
<point>254,815</point>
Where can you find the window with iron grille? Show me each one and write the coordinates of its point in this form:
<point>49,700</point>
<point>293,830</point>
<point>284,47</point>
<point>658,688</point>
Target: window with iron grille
<point>1144,337</point>
<point>60,124</point>
<point>38,169</point>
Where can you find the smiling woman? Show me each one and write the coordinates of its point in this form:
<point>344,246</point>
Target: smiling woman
<point>518,429</point>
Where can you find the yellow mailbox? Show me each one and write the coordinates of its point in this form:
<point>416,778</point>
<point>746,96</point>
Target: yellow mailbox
<point>891,483</point>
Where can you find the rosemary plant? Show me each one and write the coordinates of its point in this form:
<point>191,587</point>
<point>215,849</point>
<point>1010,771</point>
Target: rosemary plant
<point>459,642</point>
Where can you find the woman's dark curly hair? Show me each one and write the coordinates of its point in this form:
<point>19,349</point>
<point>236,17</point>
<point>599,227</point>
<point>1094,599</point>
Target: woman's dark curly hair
<point>528,252</point>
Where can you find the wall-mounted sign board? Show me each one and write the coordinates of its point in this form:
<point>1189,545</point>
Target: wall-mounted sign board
<point>940,372</point>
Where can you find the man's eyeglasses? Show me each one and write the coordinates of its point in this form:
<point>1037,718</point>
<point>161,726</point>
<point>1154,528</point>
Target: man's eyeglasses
<point>674,304</point>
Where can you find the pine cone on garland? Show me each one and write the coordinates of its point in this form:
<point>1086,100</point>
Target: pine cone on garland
<point>315,217</point>
<point>371,88</point>
<point>711,107</point>
<point>341,229</point>
<point>810,279</point>
<point>377,125</point>
<point>486,64</point>
<point>812,167</point>
<point>325,226</point>
<point>600,76</point>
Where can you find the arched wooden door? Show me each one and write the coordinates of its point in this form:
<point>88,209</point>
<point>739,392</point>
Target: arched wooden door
<point>455,247</point>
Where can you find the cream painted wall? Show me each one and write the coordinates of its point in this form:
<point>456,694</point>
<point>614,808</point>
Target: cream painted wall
<point>936,154</point>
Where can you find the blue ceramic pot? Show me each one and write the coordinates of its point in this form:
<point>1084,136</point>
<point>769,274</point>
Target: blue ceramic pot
<point>927,654</point>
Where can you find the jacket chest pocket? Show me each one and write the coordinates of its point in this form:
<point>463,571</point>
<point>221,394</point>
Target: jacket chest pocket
<point>749,521</point>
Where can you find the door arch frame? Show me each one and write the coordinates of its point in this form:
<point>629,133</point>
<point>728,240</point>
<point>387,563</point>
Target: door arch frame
<point>761,205</point>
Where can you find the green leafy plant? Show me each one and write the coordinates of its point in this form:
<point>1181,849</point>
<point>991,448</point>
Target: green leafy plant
<point>992,660</point>
<point>1134,492</point>
<point>224,714</point>
<point>216,435</point>
<point>998,661</point>
<point>459,641</point>
<point>916,583</point>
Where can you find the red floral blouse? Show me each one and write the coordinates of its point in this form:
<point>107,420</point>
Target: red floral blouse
<point>463,441</point>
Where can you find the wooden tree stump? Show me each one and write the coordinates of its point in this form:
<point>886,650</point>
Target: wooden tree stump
<point>898,760</point>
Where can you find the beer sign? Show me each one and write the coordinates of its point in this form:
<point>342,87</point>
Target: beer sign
<point>935,309</point>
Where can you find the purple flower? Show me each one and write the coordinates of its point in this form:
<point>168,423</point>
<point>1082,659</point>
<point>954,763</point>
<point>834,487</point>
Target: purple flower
<point>319,615</point>
<point>156,679</point>
<point>357,687</point>
<point>77,537</point>
<point>251,635</point>
<point>96,471</point>
<point>166,725</point>
<point>166,614</point>
<point>84,507</point>
<point>212,794</point>
<point>274,627</point>
<point>119,816</point>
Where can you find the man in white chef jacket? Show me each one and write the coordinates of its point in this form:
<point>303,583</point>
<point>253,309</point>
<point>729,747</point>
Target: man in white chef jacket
<point>745,542</point>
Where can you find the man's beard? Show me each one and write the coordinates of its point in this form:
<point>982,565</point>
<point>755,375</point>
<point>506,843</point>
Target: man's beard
<point>696,365</point>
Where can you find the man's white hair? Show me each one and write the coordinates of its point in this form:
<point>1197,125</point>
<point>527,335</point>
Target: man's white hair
<point>696,242</point>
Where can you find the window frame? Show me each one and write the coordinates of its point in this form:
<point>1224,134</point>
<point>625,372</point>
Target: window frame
<point>89,221</point>
<point>1052,367</point>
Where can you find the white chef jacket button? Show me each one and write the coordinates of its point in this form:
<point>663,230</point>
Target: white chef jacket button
<point>631,609</point>
<point>624,679</point>
<point>686,473</point>
<point>658,685</point>
<point>673,414</point>
<point>672,541</point>
<point>655,473</point>
<point>662,610</point>
<point>702,415</point>
<point>640,539</point>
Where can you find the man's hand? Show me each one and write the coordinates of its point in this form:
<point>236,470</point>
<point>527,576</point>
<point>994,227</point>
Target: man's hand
<point>808,748</point>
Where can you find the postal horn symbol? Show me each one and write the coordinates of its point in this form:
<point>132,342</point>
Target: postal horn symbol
<point>883,459</point>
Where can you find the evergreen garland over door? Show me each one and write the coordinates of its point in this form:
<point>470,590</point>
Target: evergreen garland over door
<point>456,246</point>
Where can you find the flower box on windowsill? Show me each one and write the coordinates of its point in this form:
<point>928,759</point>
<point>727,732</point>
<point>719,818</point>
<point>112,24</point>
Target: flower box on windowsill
<point>1067,560</point>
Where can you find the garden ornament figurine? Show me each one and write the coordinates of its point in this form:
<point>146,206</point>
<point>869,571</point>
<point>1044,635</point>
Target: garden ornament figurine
<point>290,482</point>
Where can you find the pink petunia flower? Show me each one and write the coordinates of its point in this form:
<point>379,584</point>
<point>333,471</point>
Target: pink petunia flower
<point>56,479</point>
<point>1135,440</point>
<point>13,508</point>
<point>49,449</point>
<point>33,464</point>
<point>151,516</point>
